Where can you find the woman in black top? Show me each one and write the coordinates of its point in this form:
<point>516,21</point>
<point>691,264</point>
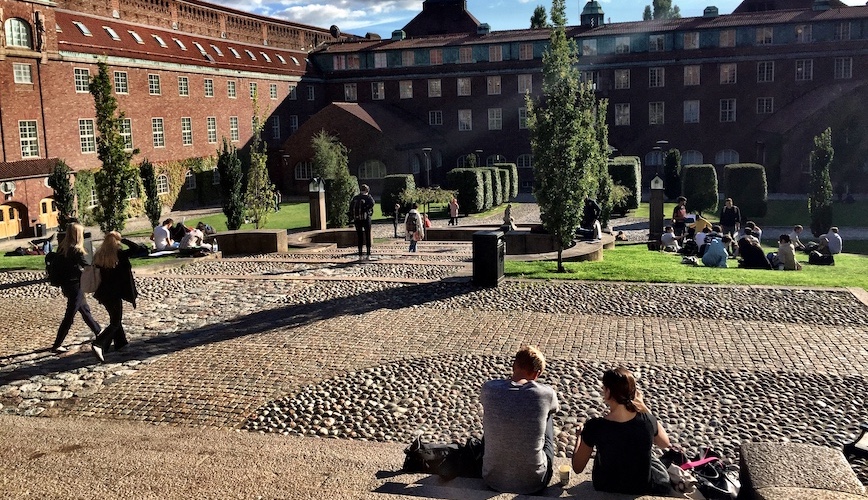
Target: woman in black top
<point>116,285</point>
<point>70,261</point>
<point>623,439</point>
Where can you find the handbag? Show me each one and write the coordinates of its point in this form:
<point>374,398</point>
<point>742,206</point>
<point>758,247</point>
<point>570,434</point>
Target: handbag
<point>90,279</point>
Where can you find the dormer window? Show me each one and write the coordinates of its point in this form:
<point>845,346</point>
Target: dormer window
<point>235,53</point>
<point>81,27</point>
<point>265,56</point>
<point>180,44</point>
<point>281,59</point>
<point>160,41</point>
<point>217,50</point>
<point>136,37</point>
<point>112,33</point>
<point>250,54</point>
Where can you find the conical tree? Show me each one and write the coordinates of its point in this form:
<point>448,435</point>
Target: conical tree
<point>330,162</point>
<point>259,198</point>
<point>231,179</point>
<point>153,205</point>
<point>820,202</point>
<point>64,195</point>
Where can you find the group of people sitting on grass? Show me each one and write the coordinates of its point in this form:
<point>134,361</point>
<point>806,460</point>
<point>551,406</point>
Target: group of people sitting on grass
<point>169,236</point>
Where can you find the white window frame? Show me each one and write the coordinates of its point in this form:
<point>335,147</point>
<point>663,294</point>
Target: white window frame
<point>311,93</point>
<point>727,110</point>
<point>525,51</point>
<point>211,127</point>
<point>524,161</point>
<point>465,120</point>
<point>657,113</point>
<point>765,105</point>
<point>351,92</point>
<point>691,111</point>
<point>727,38</point>
<point>293,92</point>
<point>843,68</point>
<point>82,80</point>
<point>87,135</point>
<point>234,133</point>
<point>804,70</point>
<point>765,71</point>
<point>495,118</point>
<point>435,87</point>
<point>303,170</point>
<point>186,131</point>
<point>622,79</point>
<point>189,180</point>
<point>525,84</point>
<point>378,91</point>
<point>272,90</point>
<point>293,123</point>
<point>162,184</point>
<point>656,77</point>
<point>18,33</point>
<point>253,89</point>
<point>656,43</point>
<point>465,86</point>
<point>765,35</point>
<point>158,132</point>
<point>275,127</point>
<point>435,117</point>
<point>406,89</point>
<point>126,133</point>
<point>728,73</point>
<point>208,86</point>
<point>154,87</point>
<point>183,86</point>
<point>231,89</point>
<point>493,84</point>
<point>122,82</point>
<point>689,75</point>
<point>622,114</point>
<point>465,55</point>
<point>23,73</point>
<point>372,169</point>
<point>522,118</point>
<point>381,60</point>
<point>28,135</point>
<point>495,53</point>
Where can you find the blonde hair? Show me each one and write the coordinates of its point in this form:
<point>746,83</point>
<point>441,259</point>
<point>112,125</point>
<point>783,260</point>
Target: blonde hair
<point>73,239</point>
<point>106,255</point>
<point>530,359</point>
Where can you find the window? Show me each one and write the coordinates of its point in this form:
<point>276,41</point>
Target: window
<point>162,184</point>
<point>380,60</point>
<point>265,56</point>
<point>351,92</point>
<point>434,88</point>
<point>435,117</point>
<point>158,132</point>
<point>303,170</point>
<point>406,89</point>
<point>211,125</point>
<point>234,136</point>
<point>82,80</point>
<point>727,110</point>
<point>209,87</point>
<point>524,161</point>
<point>463,86</point>
<point>86,136</point>
<point>804,70</point>
<point>180,44</point>
<point>525,84</point>
<point>293,123</point>
<point>293,92</point>
<point>465,55</point>
<point>353,61</point>
<point>217,50</point>
<point>656,43</point>
<point>495,118</point>
<point>493,85</point>
<point>372,169</point>
<point>190,180</point>
<point>250,54</point>
<point>121,83</point>
<point>656,77</point>
<point>235,53</point>
<point>764,35</point>
<point>378,91</point>
<point>230,89</point>
<point>727,38</point>
<point>435,56</point>
<point>311,93</point>
<point>656,111</point>
<point>82,28</point>
<point>93,200</point>
<point>186,131</point>
<point>691,40</point>
<point>136,37</point>
<point>654,158</point>
<point>842,31</point>
<point>29,138</point>
<point>728,73</point>
<point>691,75</point>
<point>726,157</point>
<point>465,119</point>
<point>215,176</point>
<point>589,47</point>
<point>691,111</point>
<point>18,33</point>
<point>272,90</point>
<point>126,133</point>
<point>408,58</point>
<point>22,73</point>
<point>691,157</point>
<point>765,105</point>
<point>525,51</point>
<point>415,164</point>
<point>622,79</point>
<point>622,45</point>
<point>495,53</point>
<point>622,115</point>
<point>804,33</point>
<point>843,67</point>
<point>765,71</point>
<point>183,86</point>
<point>254,89</point>
<point>522,118</point>
<point>160,41</point>
<point>592,77</point>
<point>154,84</point>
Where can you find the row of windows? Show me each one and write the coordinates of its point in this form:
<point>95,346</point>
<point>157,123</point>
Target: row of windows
<point>375,169</point>
<point>465,118</point>
<point>693,157</point>
<point>436,56</point>
<point>657,111</point>
<point>435,87</point>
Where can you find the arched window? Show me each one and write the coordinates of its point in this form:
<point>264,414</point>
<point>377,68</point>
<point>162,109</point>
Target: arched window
<point>524,161</point>
<point>372,169</point>
<point>18,33</point>
<point>726,157</point>
<point>691,157</point>
<point>491,160</point>
<point>654,158</point>
<point>415,164</point>
<point>190,180</point>
<point>303,170</point>
<point>215,177</point>
<point>162,184</point>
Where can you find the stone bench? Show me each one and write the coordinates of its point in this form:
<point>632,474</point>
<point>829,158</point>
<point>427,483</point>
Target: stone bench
<point>252,241</point>
<point>792,471</point>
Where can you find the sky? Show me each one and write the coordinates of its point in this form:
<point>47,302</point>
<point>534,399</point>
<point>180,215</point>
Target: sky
<point>384,16</point>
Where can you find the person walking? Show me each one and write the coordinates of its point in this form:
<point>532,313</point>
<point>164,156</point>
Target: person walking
<point>361,211</point>
<point>70,261</point>
<point>453,211</point>
<point>116,285</point>
<point>730,218</point>
<point>414,227</point>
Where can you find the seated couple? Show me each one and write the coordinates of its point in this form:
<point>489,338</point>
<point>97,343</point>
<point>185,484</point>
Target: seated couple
<point>519,437</point>
<point>167,237</point>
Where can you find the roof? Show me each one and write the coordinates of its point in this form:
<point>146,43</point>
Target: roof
<point>23,169</point>
<point>454,39</point>
<point>762,5</point>
<point>441,17</point>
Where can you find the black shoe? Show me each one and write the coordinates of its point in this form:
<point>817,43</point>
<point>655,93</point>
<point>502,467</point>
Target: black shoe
<point>120,346</point>
<point>97,351</point>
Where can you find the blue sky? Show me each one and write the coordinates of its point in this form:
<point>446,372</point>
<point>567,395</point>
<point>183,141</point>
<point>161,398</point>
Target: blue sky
<point>384,16</point>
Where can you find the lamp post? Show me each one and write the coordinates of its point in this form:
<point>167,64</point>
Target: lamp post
<point>427,152</point>
<point>316,192</point>
<point>661,146</point>
<point>655,213</point>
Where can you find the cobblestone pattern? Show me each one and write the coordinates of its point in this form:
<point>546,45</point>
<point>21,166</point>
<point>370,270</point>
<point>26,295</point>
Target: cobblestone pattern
<point>355,269</point>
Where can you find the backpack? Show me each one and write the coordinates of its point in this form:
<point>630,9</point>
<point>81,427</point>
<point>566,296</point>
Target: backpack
<point>412,224</point>
<point>358,208</point>
<point>820,259</point>
<point>53,269</point>
<point>446,460</point>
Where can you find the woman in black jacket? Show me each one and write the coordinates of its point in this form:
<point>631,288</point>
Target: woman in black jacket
<point>70,261</point>
<point>116,285</point>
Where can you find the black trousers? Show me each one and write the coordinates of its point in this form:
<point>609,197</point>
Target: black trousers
<point>75,303</point>
<point>363,234</point>
<point>115,331</point>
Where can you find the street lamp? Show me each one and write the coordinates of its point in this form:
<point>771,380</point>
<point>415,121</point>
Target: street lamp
<point>427,152</point>
<point>478,153</point>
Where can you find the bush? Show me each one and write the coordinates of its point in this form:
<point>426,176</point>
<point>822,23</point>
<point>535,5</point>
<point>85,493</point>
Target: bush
<point>513,178</point>
<point>393,186</point>
<point>471,191</point>
<point>504,184</point>
<point>488,196</point>
<point>820,202</point>
<point>699,186</point>
<point>672,174</point>
<point>496,186</point>
<point>746,184</point>
<point>626,172</point>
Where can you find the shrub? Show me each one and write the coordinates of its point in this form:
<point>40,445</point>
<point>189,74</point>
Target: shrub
<point>699,186</point>
<point>820,202</point>
<point>672,174</point>
<point>488,195</point>
<point>513,178</point>
<point>471,191</point>
<point>393,186</point>
<point>626,172</point>
<point>504,184</point>
<point>496,186</point>
<point>746,184</point>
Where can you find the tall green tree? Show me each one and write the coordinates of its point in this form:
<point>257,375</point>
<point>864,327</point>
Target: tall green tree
<point>662,9</point>
<point>330,161</point>
<point>647,15</point>
<point>672,174</point>
<point>259,198</point>
<point>563,137</point>
<point>820,202</point>
<point>64,194</point>
<point>605,184</point>
<point>114,181</point>
<point>231,185</point>
<point>153,204</point>
<point>539,18</point>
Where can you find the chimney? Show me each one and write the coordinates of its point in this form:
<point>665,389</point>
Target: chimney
<point>483,29</point>
<point>710,11</point>
<point>398,35</point>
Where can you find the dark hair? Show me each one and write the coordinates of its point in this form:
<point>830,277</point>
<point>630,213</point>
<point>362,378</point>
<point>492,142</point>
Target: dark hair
<point>785,238</point>
<point>667,228</point>
<point>726,239</point>
<point>680,199</point>
<point>168,221</point>
<point>622,389</point>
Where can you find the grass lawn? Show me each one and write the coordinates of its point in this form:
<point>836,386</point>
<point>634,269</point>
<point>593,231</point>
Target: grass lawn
<point>636,263</point>
<point>785,213</point>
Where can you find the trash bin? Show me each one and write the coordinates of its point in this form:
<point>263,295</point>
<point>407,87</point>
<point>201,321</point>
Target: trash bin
<point>489,251</point>
<point>40,230</point>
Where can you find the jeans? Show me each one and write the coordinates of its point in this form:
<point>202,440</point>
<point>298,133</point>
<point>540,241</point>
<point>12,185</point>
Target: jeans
<point>549,450</point>
<point>413,245</point>
<point>115,331</point>
<point>363,234</point>
<point>75,303</point>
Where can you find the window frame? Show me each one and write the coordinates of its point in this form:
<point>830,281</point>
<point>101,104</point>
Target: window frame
<point>211,129</point>
<point>186,131</point>
<point>231,89</point>
<point>656,42</point>
<point>727,110</point>
<point>378,91</point>
<point>656,77</point>
<point>351,92</point>
<point>234,132</point>
<point>125,130</point>
<point>435,87</point>
<point>162,184</point>
<point>435,117</point>
<point>87,135</point>
<point>493,85</point>
<point>765,71</point>
<point>154,84</point>
<point>657,116</point>
<point>28,137</point>
<point>405,89</point>
<point>22,73</point>
<point>464,86</point>
<point>691,111</point>
<point>18,33</point>
<point>465,120</point>
<point>622,114</point>
<point>82,80</point>
<point>495,118</point>
<point>121,82</point>
<point>183,86</point>
<point>622,83</point>
<point>208,87</point>
<point>806,72</point>
<point>158,132</point>
<point>728,73</point>
<point>765,105</point>
<point>688,75</point>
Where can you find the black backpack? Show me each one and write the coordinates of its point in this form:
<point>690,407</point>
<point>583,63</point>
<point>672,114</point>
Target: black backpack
<point>53,269</point>
<point>358,208</point>
<point>412,223</point>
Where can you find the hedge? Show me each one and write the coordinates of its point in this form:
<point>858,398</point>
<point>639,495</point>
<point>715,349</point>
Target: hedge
<point>513,178</point>
<point>746,184</point>
<point>626,171</point>
<point>488,196</point>
<point>471,190</point>
<point>504,184</point>
<point>496,186</point>
<point>699,186</point>
<point>393,186</point>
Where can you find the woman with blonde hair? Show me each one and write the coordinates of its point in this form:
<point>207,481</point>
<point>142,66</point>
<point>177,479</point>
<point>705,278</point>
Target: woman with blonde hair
<point>116,285</point>
<point>623,439</point>
<point>70,261</point>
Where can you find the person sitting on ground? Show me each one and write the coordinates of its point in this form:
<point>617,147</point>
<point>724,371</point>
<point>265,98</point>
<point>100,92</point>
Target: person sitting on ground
<point>755,230</point>
<point>794,237</point>
<point>178,232</point>
<point>785,258</point>
<point>701,237</point>
<point>715,254</point>
<point>162,237</point>
<point>517,421</point>
<point>699,224</point>
<point>835,244</point>
<point>194,240</point>
<point>679,216</point>
<point>623,439</point>
<point>206,229</point>
<point>669,240</point>
<point>750,252</point>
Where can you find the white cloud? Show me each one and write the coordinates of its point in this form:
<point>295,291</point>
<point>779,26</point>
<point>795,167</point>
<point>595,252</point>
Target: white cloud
<point>346,14</point>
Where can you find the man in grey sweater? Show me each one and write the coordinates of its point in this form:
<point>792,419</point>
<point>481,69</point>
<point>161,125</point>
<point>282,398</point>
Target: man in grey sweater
<point>517,423</point>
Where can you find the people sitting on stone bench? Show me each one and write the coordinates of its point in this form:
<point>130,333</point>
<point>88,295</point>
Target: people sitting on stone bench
<point>193,242</point>
<point>590,226</point>
<point>162,237</point>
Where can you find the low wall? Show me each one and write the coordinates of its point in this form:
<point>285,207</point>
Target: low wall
<point>252,241</point>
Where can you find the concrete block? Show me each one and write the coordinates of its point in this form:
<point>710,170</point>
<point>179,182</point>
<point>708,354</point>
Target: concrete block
<point>796,466</point>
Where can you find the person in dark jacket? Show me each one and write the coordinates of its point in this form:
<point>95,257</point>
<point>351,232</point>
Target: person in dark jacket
<point>116,285</point>
<point>70,261</point>
<point>751,254</point>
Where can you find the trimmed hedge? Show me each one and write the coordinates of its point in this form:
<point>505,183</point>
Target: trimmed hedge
<point>504,184</point>
<point>471,190</point>
<point>746,184</point>
<point>488,195</point>
<point>513,178</point>
<point>699,186</point>
<point>627,171</point>
<point>496,186</point>
<point>393,186</point>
